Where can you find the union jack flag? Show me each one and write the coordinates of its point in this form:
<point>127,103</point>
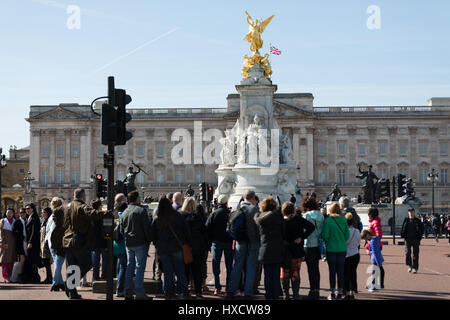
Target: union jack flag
<point>274,50</point>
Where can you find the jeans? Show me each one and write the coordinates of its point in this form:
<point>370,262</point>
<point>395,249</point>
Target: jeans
<point>121,269</point>
<point>415,250</point>
<point>195,271</point>
<point>174,263</point>
<point>350,276</point>
<point>82,259</point>
<point>312,257</point>
<point>217,248</point>
<point>96,254</point>
<point>323,249</point>
<point>244,254</point>
<point>336,266</point>
<point>272,281</point>
<point>59,261</point>
<point>136,258</point>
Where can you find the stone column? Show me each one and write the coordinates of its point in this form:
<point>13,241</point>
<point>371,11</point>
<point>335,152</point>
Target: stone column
<point>393,152</point>
<point>413,152</point>
<point>372,154</point>
<point>434,148</point>
<point>310,154</point>
<point>52,157</point>
<point>35,155</point>
<point>352,153</point>
<point>86,155</point>
<point>67,162</point>
<point>331,153</point>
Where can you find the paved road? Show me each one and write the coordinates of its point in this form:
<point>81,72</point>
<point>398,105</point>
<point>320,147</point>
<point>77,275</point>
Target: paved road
<point>432,281</point>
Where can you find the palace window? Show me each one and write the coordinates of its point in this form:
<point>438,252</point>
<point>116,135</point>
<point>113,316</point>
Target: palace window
<point>75,150</point>
<point>160,150</point>
<point>382,148</point>
<point>362,149</point>
<point>341,148</point>
<point>60,150</point>
<point>402,146</point>
<point>179,175</point>
<point>443,148</point>
<point>60,176</point>
<point>341,176</point>
<point>444,176</point>
<point>423,148</point>
<point>322,148</point>
<point>44,176</point>
<point>199,176</point>
<point>75,179</point>
<point>159,176</point>
<point>321,176</point>
<point>45,150</point>
<point>140,149</point>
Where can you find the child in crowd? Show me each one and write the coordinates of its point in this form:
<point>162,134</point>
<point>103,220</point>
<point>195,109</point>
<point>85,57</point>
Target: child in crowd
<point>375,256</point>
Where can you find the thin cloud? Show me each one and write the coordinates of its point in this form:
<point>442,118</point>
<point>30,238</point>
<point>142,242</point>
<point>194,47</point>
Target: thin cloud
<point>134,50</point>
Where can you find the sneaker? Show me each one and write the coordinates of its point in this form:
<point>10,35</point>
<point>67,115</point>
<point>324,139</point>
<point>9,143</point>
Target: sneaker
<point>371,289</point>
<point>238,293</point>
<point>340,296</point>
<point>217,292</point>
<point>414,270</point>
<point>409,269</point>
<point>331,296</point>
<point>211,283</point>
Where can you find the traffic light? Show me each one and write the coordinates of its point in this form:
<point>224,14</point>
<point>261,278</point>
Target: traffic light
<point>109,124</point>
<point>202,191</point>
<point>210,194</point>
<point>122,99</point>
<point>401,181</point>
<point>384,190</point>
<point>100,186</point>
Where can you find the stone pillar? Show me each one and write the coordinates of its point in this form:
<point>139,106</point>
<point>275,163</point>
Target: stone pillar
<point>352,151</point>
<point>434,147</point>
<point>35,155</point>
<point>86,156</point>
<point>52,157</point>
<point>393,151</point>
<point>67,162</point>
<point>331,154</point>
<point>310,154</point>
<point>413,153</point>
<point>372,154</point>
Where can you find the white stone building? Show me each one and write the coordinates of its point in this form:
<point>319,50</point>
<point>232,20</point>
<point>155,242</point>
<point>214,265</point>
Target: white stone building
<point>328,142</point>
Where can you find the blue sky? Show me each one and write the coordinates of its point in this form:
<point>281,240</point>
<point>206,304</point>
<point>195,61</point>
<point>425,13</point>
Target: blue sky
<point>190,53</point>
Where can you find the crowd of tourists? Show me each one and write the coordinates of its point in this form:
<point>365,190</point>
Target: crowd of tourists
<point>259,238</point>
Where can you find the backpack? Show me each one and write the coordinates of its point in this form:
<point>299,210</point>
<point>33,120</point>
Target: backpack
<point>236,225</point>
<point>117,236</point>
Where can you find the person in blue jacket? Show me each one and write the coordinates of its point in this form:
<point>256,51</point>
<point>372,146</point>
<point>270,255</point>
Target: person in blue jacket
<point>376,257</point>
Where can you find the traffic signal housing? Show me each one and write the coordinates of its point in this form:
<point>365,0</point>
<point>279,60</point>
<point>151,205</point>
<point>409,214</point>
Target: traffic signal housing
<point>109,124</point>
<point>202,191</point>
<point>384,191</point>
<point>122,99</point>
<point>401,181</point>
<point>100,186</point>
<point>210,194</point>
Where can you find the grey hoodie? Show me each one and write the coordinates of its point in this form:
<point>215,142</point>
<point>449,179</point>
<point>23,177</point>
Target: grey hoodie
<point>252,228</point>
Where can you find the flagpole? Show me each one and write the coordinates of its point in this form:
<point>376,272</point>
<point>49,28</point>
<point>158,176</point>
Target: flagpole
<point>270,57</point>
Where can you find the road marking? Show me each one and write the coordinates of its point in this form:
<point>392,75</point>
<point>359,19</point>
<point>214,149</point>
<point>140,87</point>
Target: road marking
<point>437,272</point>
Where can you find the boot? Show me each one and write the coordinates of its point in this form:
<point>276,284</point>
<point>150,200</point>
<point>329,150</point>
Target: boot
<point>285,287</point>
<point>295,288</point>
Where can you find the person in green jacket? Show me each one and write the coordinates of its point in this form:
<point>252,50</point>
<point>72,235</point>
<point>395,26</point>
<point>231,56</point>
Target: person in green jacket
<point>121,254</point>
<point>335,234</point>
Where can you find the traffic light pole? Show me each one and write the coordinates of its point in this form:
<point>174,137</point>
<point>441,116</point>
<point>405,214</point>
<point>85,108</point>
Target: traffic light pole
<point>393,209</point>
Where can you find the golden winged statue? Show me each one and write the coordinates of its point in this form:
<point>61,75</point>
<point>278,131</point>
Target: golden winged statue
<point>256,28</point>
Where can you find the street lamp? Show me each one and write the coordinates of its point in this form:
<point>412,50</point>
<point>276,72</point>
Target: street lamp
<point>432,177</point>
<point>2,165</point>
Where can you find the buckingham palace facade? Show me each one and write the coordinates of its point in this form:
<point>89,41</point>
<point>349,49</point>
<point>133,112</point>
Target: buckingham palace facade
<point>328,144</point>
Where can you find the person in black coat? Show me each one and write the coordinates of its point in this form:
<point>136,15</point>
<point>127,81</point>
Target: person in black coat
<point>198,242</point>
<point>412,232</point>
<point>296,229</point>
<point>33,231</point>
<point>272,251</point>
<point>20,234</point>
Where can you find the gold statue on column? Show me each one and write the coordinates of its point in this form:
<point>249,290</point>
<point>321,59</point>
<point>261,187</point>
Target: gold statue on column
<point>256,28</point>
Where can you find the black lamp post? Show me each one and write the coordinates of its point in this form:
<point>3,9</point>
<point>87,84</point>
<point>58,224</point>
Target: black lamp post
<point>2,165</point>
<point>432,177</point>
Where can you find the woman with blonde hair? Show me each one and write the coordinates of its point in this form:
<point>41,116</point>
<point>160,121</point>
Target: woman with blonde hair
<point>270,224</point>
<point>335,234</point>
<point>54,237</point>
<point>199,243</point>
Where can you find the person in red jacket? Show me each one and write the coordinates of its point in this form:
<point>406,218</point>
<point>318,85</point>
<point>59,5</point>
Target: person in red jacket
<point>374,226</point>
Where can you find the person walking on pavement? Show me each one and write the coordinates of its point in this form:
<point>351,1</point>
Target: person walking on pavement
<point>216,227</point>
<point>55,242</point>
<point>135,227</point>
<point>21,241</point>
<point>412,232</point>
<point>120,252</point>
<point>436,224</point>
<point>78,237</point>
<point>33,229</point>
<point>8,252</point>
<point>46,256</point>
<point>351,259</point>
<point>246,252</point>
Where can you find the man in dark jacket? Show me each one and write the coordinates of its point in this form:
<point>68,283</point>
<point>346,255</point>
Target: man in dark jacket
<point>135,227</point>
<point>412,232</point>
<point>33,231</point>
<point>344,204</point>
<point>78,237</point>
<point>216,227</point>
<point>246,252</point>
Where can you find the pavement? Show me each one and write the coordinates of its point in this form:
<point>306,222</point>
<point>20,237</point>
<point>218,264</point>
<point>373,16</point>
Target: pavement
<point>432,282</point>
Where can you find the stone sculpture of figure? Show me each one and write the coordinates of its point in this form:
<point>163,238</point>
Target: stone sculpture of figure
<point>284,185</point>
<point>241,141</point>
<point>227,154</point>
<point>286,149</point>
<point>226,185</point>
<point>335,193</point>
<point>131,178</point>
<point>369,187</point>
<point>409,189</point>
<point>190,192</point>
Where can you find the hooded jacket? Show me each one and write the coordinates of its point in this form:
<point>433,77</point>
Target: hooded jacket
<point>335,233</point>
<point>270,226</point>
<point>376,229</point>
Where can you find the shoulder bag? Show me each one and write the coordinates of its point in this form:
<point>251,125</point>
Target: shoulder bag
<point>187,250</point>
